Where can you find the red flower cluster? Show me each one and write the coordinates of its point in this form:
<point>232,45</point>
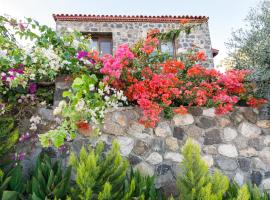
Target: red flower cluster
<point>254,103</point>
<point>155,84</point>
<point>172,66</point>
<point>149,45</point>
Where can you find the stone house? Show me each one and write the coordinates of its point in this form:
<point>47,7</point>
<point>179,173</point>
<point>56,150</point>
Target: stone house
<point>109,31</point>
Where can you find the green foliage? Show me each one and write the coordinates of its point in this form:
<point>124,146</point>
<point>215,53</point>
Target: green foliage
<point>8,135</point>
<point>243,193</point>
<point>105,176</point>
<point>49,181</point>
<point>12,184</point>
<point>195,181</point>
<point>250,47</point>
<point>246,192</point>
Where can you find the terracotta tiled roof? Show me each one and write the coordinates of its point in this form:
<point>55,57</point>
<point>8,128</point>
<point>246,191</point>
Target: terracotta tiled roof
<point>128,18</point>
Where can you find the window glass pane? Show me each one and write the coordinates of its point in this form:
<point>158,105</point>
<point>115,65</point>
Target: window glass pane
<point>94,44</point>
<point>105,47</point>
<point>167,47</point>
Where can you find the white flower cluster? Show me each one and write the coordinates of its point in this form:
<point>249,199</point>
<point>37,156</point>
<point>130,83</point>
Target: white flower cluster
<point>59,108</point>
<point>44,62</point>
<point>80,105</point>
<point>34,120</point>
<point>3,53</point>
<point>2,108</point>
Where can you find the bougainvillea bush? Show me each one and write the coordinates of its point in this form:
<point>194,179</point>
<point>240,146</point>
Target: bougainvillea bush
<point>157,83</point>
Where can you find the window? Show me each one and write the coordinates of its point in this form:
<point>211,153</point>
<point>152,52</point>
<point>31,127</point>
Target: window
<point>168,47</point>
<point>101,42</point>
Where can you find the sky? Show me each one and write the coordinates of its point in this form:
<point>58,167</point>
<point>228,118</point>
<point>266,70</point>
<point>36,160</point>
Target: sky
<point>224,15</point>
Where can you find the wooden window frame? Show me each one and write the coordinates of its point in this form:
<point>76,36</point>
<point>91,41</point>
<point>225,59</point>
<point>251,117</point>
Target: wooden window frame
<point>173,44</point>
<point>99,37</point>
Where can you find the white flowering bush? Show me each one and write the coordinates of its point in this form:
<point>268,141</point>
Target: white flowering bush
<point>87,102</point>
<point>31,53</point>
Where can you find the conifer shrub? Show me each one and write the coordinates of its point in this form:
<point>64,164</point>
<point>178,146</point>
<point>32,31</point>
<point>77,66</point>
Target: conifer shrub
<point>195,181</point>
<point>105,176</point>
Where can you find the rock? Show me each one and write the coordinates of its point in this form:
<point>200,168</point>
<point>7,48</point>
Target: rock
<point>110,127</point>
<point>256,177</point>
<point>126,145</point>
<point>178,133</point>
<point>158,145</point>
<point>145,169</point>
<point>134,159</point>
<point>183,120</point>
<point>249,130</point>
<point>137,130</point>
<point>209,160</point>
<point>267,174</point>
<point>154,158</point>
<point>226,163</point>
<point>206,123</point>
<point>175,157</point>
<point>266,140</point>
<point>195,111</point>
<point>46,114</point>
<point>266,131</point>
<point>194,132</point>
<point>229,134</point>
<point>170,189</point>
<point>162,180</point>
<point>265,155</point>
<point>120,118</point>
<point>223,122</point>
<point>266,184</point>
<point>249,152</point>
<point>140,147</point>
<point>241,142</point>
<point>236,117</point>
<point>163,129</point>
<point>172,143</point>
<point>212,137</point>
<point>258,164</point>
<point>210,149</point>
<point>263,123</point>
<point>244,164</point>
<point>256,143</point>
<point>250,115</point>
<point>228,150</point>
<point>239,178</point>
<point>163,168</point>
<point>209,112</point>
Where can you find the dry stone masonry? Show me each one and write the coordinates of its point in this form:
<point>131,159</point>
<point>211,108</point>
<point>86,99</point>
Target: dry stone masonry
<point>129,31</point>
<point>238,144</point>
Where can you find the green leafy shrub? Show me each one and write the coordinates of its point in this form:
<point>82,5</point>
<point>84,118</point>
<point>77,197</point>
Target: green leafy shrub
<point>12,184</point>
<point>195,181</point>
<point>8,135</point>
<point>105,176</point>
<point>48,181</point>
<point>246,192</point>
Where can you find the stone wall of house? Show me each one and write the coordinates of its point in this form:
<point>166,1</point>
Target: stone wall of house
<point>238,144</point>
<point>127,32</point>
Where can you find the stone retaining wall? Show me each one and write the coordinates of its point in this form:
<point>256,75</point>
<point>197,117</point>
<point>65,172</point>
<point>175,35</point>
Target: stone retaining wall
<point>238,144</point>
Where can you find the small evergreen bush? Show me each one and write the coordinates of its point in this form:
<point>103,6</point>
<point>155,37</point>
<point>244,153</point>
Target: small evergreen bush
<point>105,177</point>
<point>195,181</point>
